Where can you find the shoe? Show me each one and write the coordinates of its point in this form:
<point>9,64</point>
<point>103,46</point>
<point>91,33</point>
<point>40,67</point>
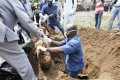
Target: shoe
<point>84,77</point>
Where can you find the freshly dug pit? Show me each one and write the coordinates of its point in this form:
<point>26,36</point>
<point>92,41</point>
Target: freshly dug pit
<point>101,53</point>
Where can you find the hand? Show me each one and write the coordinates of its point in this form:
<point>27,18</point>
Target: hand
<point>41,15</point>
<point>46,16</point>
<point>47,39</point>
<point>43,18</point>
<point>42,48</point>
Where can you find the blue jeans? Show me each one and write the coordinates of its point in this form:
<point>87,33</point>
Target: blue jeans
<point>98,18</point>
<point>115,12</point>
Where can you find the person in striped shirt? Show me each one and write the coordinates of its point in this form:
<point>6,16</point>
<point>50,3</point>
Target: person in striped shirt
<point>99,9</point>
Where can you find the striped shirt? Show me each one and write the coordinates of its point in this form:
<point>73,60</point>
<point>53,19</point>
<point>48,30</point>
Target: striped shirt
<point>99,8</point>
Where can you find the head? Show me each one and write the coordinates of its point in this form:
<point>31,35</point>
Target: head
<point>71,30</point>
<point>50,3</point>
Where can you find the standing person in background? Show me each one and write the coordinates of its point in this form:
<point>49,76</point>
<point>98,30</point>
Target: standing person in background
<point>106,6</point>
<point>111,5</point>
<point>70,7</point>
<point>99,9</point>
<point>115,12</point>
<point>28,7</point>
<point>59,10</point>
<point>36,13</point>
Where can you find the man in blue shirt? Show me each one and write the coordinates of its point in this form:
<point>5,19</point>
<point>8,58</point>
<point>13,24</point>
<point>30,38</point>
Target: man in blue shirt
<point>71,46</point>
<point>51,10</point>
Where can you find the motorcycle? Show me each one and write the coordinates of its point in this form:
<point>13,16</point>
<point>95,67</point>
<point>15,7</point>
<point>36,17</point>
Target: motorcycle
<point>7,72</point>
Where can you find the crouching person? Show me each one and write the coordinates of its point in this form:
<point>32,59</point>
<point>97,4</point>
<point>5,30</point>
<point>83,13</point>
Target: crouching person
<point>71,46</point>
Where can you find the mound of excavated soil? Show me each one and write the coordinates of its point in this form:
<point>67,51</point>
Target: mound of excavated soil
<point>101,53</point>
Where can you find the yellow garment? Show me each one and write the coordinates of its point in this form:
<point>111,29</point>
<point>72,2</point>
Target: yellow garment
<point>35,4</point>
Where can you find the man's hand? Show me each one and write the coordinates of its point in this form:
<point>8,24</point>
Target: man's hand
<point>51,15</point>
<point>46,16</point>
<point>43,17</point>
<point>42,48</point>
<point>47,39</point>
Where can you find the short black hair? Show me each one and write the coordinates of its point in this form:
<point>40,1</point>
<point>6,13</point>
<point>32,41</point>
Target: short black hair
<point>73,27</point>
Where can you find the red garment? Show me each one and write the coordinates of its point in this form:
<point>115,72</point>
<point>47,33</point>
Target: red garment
<point>99,8</point>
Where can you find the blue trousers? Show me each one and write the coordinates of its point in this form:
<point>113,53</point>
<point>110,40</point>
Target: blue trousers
<point>115,12</point>
<point>98,18</point>
<point>58,25</point>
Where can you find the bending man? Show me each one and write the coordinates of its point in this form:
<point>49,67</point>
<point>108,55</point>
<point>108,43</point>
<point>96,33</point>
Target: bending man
<point>71,46</point>
<point>51,10</point>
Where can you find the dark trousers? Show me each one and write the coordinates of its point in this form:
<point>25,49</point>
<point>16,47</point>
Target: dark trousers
<point>58,25</point>
<point>106,8</point>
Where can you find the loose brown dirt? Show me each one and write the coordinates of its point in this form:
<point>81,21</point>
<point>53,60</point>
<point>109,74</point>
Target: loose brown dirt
<point>101,53</point>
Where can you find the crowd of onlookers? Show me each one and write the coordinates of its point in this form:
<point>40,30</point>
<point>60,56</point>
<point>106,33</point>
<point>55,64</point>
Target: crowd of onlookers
<point>101,6</point>
<point>107,6</point>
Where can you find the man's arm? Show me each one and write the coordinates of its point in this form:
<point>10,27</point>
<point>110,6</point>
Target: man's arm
<point>51,15</point>
<point>54,49</point>
<point>57,43</point>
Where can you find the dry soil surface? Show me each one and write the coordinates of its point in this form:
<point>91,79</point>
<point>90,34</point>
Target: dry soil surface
<point>101,50</point>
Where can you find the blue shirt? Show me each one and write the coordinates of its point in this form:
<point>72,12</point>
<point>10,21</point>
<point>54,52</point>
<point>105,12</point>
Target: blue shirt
<point>41,5</point>
<point>51,10</point>
<point>73,53</point>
